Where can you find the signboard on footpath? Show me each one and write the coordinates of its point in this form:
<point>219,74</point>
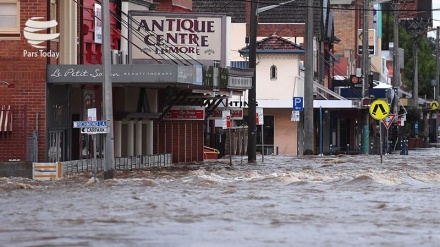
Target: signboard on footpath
<point>226,119</point>
<point>186,113</point>
<point>259,116</point>
<point>236,113</point>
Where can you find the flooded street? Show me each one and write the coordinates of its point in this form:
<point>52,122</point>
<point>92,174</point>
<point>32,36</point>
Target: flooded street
<point>283,201</point>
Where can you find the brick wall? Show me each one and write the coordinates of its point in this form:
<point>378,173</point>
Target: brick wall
<point>174,5</point>
<point>345,30</point>
<point>184,139</point>
<point>92,50</point>
<point>27,78</point>
<point>283,30</point>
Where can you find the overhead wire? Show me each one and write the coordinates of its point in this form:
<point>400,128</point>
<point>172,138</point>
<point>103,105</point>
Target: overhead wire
<point>138,35</point>
<point>166,45</point>
<point>116,30</point>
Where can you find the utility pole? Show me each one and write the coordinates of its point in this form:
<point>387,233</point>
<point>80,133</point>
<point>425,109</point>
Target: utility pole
<point>396,67</point>
<point>308,83</point>
<point>417,38</point>
<point>252,94</point>
<point>109,154</point>
<point>365,138</point>
<point>437,74</point>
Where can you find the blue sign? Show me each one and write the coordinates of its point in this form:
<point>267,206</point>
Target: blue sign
<point>90,124</point>
<point>298,103</point>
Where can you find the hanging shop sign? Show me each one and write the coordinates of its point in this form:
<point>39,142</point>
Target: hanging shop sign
<point>186,113</point>
<point>371,42</point>
<point>236,113</point>
<point>166,35</point>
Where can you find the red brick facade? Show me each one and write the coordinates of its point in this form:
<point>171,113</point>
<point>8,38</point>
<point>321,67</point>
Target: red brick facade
<point>27,87</point>
<point>184,139</point>
<point>174,5</point>
<point>27,92</point>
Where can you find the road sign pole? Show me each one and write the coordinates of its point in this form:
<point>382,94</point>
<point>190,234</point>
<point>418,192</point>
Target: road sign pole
<point>380,140</point>
<point>388,142</point>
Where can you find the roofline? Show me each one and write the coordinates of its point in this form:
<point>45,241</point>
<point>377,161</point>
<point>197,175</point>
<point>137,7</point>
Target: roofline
<point>246,51</point>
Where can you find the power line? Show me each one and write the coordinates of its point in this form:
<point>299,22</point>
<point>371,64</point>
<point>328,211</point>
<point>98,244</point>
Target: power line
<point>138,35</point>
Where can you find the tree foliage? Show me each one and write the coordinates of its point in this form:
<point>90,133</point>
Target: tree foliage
<point>426,68</point>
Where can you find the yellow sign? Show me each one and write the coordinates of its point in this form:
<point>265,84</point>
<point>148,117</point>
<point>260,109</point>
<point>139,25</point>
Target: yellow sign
<point>434,105</point>
<point>379,109</point>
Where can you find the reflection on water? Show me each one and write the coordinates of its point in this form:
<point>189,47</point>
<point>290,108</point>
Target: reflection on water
<point>285,201</point>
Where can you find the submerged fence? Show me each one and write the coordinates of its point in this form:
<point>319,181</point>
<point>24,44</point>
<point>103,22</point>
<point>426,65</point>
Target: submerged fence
<point>122,163</point>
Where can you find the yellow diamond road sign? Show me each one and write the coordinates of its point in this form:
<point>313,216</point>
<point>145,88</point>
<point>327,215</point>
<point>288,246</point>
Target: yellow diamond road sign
<point>379,109</point>
<point>434,105</point>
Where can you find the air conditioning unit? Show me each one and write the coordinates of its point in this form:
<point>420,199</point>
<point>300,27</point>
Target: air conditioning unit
<point>119,57</point>
<point>124,57</point>
<point>115,57</point>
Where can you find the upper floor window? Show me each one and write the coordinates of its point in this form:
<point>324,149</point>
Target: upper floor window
<point>53,14</point>
<point>9,18</point>
<point>273,72</point>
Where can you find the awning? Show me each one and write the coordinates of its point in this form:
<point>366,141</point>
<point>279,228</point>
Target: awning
<point>5,118</point>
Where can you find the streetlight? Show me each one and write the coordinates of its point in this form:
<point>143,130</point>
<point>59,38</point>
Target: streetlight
<point>252,101</point>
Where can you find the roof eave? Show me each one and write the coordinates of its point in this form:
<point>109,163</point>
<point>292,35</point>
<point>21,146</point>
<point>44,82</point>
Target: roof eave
<point>299,52</point>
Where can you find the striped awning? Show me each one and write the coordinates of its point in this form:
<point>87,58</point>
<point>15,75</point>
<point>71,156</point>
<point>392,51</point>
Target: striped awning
<point>5,118</point>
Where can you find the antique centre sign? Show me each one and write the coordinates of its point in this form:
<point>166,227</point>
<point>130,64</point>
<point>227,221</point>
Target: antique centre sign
<point>177,35</point>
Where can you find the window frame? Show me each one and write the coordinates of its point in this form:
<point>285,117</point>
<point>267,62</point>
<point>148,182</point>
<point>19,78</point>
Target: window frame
<point>273,72</point>
<point>11,32</point>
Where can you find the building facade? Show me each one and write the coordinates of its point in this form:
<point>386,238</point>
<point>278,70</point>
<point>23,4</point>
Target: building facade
<point>159,104</point>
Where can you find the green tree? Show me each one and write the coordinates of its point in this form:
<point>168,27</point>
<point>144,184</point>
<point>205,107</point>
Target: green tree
<point>426,58</point>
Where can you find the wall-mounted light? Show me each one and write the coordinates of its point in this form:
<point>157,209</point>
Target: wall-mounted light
<point>5,82</point>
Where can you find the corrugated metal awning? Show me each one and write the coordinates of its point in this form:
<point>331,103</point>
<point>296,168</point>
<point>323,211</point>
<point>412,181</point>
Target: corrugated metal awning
<point>5,118</point>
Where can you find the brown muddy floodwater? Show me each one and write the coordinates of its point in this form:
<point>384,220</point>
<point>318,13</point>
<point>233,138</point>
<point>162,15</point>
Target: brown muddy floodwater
<point>283,201</point>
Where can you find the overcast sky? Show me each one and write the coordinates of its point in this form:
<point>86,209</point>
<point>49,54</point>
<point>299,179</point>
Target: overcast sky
<point>436,12</point>
<point>435,16</point>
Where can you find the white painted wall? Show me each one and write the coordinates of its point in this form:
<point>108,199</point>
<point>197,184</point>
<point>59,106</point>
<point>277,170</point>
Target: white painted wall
<point>238,37</point>
<point>288,67</point>
<point>282,87</point>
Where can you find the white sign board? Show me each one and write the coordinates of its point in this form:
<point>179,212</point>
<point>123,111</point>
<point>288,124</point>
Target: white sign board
<point>371,42</point>
<point>46,171</point>
<point>188,35</point>
<point>295,116</point>
<point>91,114</point>
<point>82,124</point>
<point>98,24</point>
<point>226,119</point>
<point>259,116</point>
<point>94,130</point>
